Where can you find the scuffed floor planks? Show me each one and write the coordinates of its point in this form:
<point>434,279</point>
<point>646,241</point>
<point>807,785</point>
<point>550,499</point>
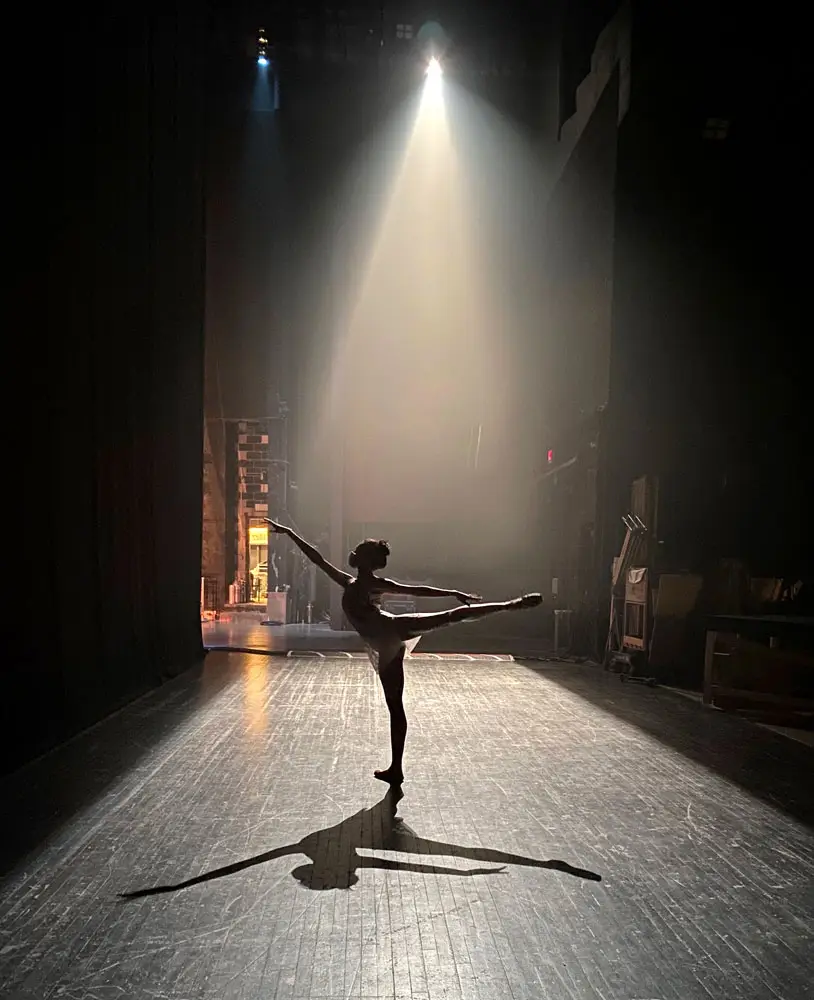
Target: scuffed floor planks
<point>697,824</point>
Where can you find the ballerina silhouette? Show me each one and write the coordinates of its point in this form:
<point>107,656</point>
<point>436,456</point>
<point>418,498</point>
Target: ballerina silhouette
<point>388,637</point>
<point>334,858</point>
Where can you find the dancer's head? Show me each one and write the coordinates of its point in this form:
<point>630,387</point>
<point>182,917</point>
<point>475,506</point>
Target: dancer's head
<point>370,555</point>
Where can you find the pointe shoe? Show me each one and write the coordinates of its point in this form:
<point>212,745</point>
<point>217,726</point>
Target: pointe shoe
<point>391,777</point>
<point>531,600</point>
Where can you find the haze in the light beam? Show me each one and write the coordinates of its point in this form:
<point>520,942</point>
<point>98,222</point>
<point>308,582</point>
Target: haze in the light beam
<point>415,371</point>
<point>421,379</point>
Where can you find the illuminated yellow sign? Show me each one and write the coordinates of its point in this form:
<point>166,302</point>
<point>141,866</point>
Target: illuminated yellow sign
<point>259,535</point>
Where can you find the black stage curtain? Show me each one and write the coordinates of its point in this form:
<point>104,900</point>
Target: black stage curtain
<point>105,369</point>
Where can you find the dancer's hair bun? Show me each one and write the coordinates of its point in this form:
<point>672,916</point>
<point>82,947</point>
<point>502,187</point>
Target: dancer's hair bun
<point>372,554</point>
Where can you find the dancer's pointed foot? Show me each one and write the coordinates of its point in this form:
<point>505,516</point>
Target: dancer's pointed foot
<point>531,600</point>
<point>392,776</point>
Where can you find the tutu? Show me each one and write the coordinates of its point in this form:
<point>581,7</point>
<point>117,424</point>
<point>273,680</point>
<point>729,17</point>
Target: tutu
<point>385,650</point>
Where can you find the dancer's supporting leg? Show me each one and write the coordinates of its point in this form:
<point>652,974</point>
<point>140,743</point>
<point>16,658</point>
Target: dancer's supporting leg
<point>391,675</point>
<point>416,624</point>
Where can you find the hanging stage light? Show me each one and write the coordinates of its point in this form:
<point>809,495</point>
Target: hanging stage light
<point>262,48</point>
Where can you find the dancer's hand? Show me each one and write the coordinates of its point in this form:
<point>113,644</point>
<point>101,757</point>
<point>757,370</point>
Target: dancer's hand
<point>467,598</point>
<point>278,529</point>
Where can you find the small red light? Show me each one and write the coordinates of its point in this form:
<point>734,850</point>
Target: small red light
<point>550,455</point>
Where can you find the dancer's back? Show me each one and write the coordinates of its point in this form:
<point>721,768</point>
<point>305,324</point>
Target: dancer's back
<point>361,602</point>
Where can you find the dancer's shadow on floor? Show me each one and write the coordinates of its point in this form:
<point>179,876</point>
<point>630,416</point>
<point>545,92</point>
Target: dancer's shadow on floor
<point>335,859</point>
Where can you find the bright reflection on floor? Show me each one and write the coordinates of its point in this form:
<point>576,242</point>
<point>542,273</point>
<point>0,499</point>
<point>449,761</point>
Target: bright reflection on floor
<point>255,694</point>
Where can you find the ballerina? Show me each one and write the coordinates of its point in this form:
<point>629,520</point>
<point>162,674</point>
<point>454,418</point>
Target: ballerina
<point>389,637</point>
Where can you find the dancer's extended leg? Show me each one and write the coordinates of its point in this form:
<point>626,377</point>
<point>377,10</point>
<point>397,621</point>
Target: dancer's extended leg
<point>417,624</point>
<point>391,675</point>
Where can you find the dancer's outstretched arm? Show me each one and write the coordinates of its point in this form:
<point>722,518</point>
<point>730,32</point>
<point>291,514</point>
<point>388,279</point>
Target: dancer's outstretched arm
<point>394,587</point>
<point>316,557</point>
